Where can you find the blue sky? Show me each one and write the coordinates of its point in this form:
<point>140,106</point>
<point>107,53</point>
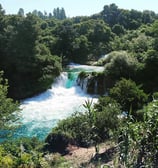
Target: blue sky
<point>76,8</point>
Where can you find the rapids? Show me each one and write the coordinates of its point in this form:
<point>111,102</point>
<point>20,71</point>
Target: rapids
<point>41,113</point>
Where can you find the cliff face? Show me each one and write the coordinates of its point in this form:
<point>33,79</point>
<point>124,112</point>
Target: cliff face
<point>93,83</point>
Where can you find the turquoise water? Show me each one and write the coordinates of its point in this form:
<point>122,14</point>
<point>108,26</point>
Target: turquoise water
<point>41,113</point>
<point>72,77</point>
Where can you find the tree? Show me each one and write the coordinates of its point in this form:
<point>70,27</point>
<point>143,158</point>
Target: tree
<point>118,29</point>
<point>40,15</point>
<point>35,12</point>
<point>101,32</point>
<point>140,44</point>
<point>59,13</point>
<point>99,36</point>
<point>8,109</point>
<point>110,14</point>
<point>62,14</point>
<point>107,111</point>
<point>80,49</point>
<point>2,12</point>
<point>121,64</point>
<point>150,70</point>
<point>21,12</point>
<point>20,54</point>
<point>28,65</point>
<point>128,95</point>
<point>148,16</point>
<point>65,34</point>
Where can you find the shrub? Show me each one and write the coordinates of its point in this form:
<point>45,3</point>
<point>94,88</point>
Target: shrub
<point>138,142</point>
<point>57,142</point>
<point>121,64</point>
<point>128,95</point>
<point>85,129</point>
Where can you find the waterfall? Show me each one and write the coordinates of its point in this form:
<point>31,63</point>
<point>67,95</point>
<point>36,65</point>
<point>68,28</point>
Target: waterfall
<point>42,112</point>
<point>83,83</point>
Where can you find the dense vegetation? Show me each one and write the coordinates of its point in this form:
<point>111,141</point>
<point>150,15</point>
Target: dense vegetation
<point>34,48</point>
<point>8,109</point>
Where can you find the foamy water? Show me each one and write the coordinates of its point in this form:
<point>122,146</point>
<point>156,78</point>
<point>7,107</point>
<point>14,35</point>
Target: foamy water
<point>41,113</point>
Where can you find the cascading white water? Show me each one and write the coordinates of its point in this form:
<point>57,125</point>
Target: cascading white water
<point>41,113</point>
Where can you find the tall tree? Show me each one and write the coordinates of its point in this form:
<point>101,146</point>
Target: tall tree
<point>65,34</point>
<point>62,14</point>
<point>2,11</point>
<point>110,14</point>
<point>21,12</point>
<point>59,13</point>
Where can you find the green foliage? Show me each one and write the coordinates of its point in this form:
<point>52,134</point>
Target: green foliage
<point>98,34</point>
<point>58,141</point>
<point>130,19</point>
<point>57,161</point>
<point>59,13</point>
<point>120,64</point>
<point>118,29</point>
<point>78,127</point>
<point>150,61</point>
<point>107,116</point>
<point>32,51</point>
<point>150,71</point>
<point>21,12</point>
<point>128,95</point>
<point>6,160</point>
<point>155,96</point>
<point>140,44</point>
<point>83,74</point>
<point>137,41</point>
<point>21,153</point>
<point>28,65</point>
<point>80,49</point>
<point>30,47</point>
<point>92,126</point>
<point>110,14</point>
<point>154,29</point>
<point>138,140</point>
<point>23,144</point>
<point>2,11</point>
<point>8,109</point>
<point>26,152</point>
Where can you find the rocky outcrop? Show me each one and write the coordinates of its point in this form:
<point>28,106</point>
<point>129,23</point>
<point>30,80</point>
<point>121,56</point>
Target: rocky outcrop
<point>92,83</point>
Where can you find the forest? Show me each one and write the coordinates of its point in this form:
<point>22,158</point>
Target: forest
<point>36,47</point>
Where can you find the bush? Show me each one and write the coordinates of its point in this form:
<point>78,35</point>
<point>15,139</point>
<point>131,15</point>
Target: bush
<point>57,142</point>
<point>128,95</point>
<point>121,64</point>
<point>85,129</point>
<point>138,145</point>
<point>21,152</point>
<point>77,127</point>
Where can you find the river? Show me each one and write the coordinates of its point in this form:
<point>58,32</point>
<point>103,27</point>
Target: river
<point>41,113</point>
